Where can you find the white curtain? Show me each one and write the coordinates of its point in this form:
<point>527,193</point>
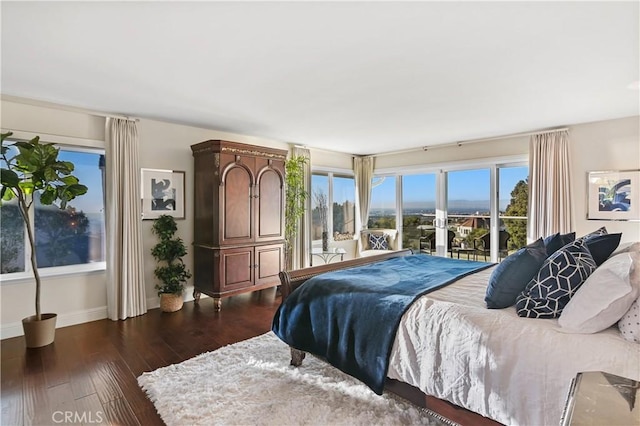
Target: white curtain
<point>363,172</point>
<point>126,295</point>
<point>550,198</point>
<point>301,249</point>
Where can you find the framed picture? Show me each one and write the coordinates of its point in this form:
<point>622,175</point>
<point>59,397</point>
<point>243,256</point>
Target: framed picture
<point>162,193</point>
<point>613,195</point>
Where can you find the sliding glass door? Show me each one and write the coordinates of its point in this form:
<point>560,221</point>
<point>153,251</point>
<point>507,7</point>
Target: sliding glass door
<point>479,213</point>
<point>468,214</point>
<point>419,212</point>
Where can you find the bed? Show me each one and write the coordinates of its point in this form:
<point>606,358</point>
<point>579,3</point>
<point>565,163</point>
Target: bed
<point>496,366</point>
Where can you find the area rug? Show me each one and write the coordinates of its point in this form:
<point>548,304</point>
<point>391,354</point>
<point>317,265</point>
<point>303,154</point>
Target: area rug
<point>251,383</point>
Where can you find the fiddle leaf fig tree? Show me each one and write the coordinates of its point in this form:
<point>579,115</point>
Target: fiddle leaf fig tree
<point>295,197</point>
<point>30,167</point>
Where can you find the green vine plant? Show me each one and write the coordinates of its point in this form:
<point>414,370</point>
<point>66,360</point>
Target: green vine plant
<point>295,197</point>
<point>171,270</point>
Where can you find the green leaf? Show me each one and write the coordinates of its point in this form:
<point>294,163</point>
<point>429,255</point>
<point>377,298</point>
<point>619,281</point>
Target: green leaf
<point>27,187</point>
<point>4,136</point>
<point>76,190</point>
<point>69,180</point>
<point>65,167</point>
<point>48,196</point>
<point>9,178</point>
<point>7,194</point>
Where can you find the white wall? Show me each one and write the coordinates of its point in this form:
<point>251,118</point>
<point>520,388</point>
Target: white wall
<point>82,297</point>
<point>604,145</point>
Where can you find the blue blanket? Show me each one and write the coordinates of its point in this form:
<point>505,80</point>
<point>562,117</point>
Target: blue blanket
<point>350,317</point>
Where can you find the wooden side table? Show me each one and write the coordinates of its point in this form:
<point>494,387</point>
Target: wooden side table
<point>598,398</point>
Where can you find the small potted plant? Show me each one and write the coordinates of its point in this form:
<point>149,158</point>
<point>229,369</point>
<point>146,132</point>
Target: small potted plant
<point>33,168</point>
<point>171,271</point>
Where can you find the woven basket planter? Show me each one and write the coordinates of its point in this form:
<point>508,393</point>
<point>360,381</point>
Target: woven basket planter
<point>170,302</point>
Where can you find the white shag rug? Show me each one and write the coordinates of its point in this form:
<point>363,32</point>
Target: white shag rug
<point>252,383</point>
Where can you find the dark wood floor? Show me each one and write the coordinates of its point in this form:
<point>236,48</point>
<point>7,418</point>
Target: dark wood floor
<point>90,371</point>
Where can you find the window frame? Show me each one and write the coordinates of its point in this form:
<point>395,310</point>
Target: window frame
<point>92,146</point>
<point>330,173</point>
<point>441,169</point>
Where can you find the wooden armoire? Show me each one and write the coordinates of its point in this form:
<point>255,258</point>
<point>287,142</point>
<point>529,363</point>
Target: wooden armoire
<point>239,218</point>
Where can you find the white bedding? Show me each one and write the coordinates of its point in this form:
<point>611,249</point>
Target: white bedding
<point>514,370</point>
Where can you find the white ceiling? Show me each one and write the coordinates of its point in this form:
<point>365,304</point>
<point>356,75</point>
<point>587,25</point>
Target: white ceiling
<point>361,77</point>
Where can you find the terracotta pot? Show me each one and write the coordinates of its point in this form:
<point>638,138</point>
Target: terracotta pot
<point>170,302</point>
<point>39,333</point>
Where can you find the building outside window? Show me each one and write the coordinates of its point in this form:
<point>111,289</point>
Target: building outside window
<point>65,239</point>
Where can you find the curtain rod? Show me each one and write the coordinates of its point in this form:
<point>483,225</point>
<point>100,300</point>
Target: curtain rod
<point>471,141</point>
<point>46,104</point>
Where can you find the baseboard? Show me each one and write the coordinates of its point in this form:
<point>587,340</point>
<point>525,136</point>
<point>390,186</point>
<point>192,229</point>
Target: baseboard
<point>14,329</point>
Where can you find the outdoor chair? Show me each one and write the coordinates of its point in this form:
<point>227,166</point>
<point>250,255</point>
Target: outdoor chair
<point>482,245</point>
<point>428,242</point>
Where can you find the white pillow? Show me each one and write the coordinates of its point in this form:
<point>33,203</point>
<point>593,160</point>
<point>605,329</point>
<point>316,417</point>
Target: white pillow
<point>627,247</point>
<point>603,298</point>
<point>629,324</point>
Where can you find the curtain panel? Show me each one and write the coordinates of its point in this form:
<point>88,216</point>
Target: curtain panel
<point>363,172</point>
<point>126,296</point>
<point>550,186</point>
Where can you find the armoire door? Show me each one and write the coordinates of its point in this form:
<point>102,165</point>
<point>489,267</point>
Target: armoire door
<point>237,268</point>
<point>269,262</point>
<point>269,200</point>
<point>236,199</point>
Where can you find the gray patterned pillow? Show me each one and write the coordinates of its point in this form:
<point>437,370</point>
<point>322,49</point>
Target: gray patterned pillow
<point>378,242</point>
<point>556,282</point>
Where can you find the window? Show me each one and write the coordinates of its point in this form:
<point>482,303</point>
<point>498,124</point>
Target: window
<point>457,210</point>
<point>344,208</point>
<point>382,213</point>
<point>337,191</point>
<point>319,205</point>
<point>418,211</point>
<point>469,210</point>
<point>513,196</point>
<point>65,239</point>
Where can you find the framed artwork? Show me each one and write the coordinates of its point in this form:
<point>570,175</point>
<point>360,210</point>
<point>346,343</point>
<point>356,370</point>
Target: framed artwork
<point>162,193</point>
<point>613,195</point>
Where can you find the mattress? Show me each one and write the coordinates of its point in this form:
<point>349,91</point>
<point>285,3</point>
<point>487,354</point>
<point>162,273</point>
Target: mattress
<point>514,370</point>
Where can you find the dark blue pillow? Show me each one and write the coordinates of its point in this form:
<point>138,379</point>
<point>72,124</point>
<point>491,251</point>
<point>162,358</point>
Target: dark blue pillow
<point>560,276</point>
<point>555,242</point>
<point>600,231</point>
<point>513,274</point>
<point>601,246</point>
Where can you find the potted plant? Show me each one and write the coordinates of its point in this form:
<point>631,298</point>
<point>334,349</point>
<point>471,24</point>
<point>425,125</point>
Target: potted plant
<point>33,168</point>
<point>171,270</point>
<point>295,197</point>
